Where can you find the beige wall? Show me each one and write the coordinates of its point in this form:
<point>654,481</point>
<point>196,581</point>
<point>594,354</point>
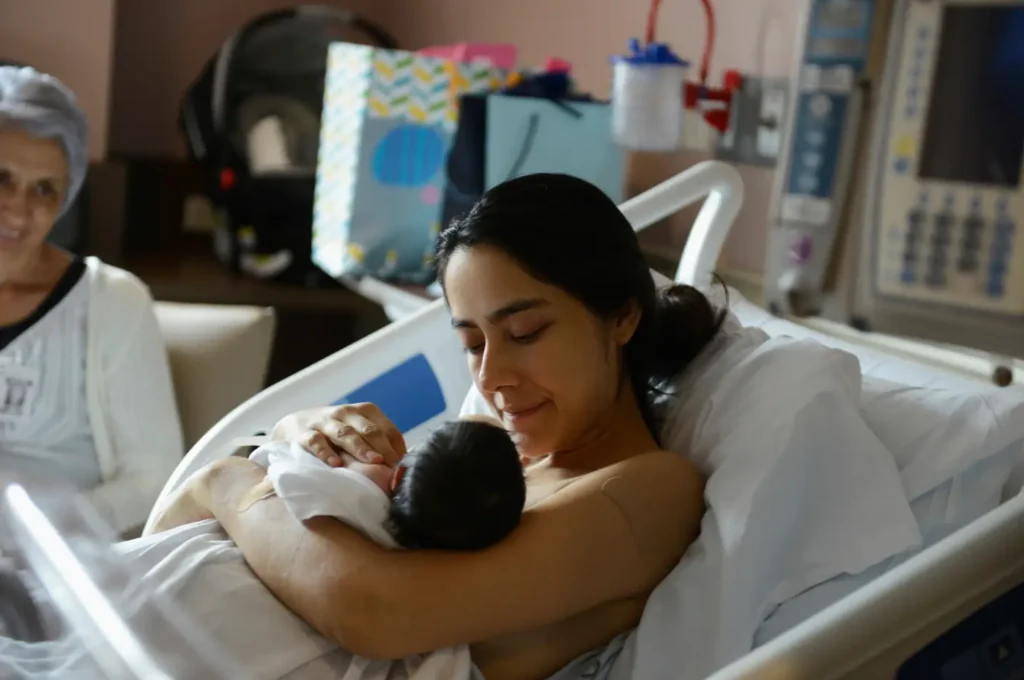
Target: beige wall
<point>586,32</point>
<point>72,40</point>
<point>161,47</point>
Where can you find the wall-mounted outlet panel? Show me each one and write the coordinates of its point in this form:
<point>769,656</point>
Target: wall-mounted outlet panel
<point>756,123</point>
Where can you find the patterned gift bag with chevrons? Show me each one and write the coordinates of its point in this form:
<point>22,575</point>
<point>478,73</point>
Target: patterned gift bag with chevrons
<point>388,121</point>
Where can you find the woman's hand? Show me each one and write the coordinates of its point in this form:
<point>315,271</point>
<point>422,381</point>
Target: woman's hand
<point>339,435</point>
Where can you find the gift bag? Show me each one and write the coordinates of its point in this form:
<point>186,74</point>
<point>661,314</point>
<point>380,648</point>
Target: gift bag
<point>526,135</point>
<point>388,121</point>
<point>504,136</point>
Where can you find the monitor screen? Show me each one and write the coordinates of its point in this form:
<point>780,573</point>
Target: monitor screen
<point>974,128</point>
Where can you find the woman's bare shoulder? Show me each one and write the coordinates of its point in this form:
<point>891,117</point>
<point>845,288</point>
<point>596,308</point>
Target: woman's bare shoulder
<point>651,471</point>
<point>660,495</point>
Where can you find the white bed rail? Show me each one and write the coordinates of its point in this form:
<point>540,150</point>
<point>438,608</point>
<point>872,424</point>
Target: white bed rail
<point>868,634</point>
<point>722,186</point>
<point>427,333</point>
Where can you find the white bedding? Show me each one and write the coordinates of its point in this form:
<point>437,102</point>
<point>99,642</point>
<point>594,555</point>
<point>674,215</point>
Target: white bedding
<point>800,490</point>
<point>951,441</point>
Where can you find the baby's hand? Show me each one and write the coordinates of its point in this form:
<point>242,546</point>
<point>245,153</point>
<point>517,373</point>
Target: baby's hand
<point>378,474</point>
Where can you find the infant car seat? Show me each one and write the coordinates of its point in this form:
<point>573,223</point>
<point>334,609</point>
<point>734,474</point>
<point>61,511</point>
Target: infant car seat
<point>252,121</point>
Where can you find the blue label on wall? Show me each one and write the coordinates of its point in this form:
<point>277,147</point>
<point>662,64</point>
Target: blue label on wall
<point>409,394</point>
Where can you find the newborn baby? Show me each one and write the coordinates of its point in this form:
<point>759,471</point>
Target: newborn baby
<point>461,489</point>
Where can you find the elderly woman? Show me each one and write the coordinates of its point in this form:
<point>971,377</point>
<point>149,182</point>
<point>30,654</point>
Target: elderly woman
<point>85,385</point>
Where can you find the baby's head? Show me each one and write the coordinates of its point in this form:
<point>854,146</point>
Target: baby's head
<point>462,489</point>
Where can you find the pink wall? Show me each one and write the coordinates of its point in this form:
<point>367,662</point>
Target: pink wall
<point>586,32</point>
<point>71,39</point>
<point>161,47</point>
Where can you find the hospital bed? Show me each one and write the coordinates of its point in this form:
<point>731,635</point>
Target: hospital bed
<point>415,371</point>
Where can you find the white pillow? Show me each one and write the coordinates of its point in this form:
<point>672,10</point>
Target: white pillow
<point>958,451</point>
<point>800,490</point>
<point>936,434</point>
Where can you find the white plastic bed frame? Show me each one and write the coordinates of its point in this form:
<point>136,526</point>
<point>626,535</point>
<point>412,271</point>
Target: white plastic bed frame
<point>416,368</point>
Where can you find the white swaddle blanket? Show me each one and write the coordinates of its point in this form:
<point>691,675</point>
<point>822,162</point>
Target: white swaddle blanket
<point>203,572</point>
<point>311,488</point>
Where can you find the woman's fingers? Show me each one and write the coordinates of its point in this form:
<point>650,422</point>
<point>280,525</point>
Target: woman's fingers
<point>317,443</point>
<point>348,437</point>
<point>394,448</point>
<point>360,430</point>
<point>347,460</point>
<point>375,432</point>
<point>364,432</point>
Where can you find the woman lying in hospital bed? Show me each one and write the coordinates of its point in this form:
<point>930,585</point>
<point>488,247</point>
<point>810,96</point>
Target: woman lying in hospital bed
<point>816,481</point>
<point>566,356</point>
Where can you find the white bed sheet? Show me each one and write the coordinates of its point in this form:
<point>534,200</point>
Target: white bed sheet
<point>955,442</point>
<point>874,363</point>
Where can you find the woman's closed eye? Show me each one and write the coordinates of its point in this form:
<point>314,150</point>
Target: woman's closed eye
<point>472,341</point>
<point>529,336</point>
<point>476,346</point>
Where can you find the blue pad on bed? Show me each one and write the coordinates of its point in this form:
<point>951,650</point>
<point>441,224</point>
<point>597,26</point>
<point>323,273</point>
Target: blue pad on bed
<point>409,394</point>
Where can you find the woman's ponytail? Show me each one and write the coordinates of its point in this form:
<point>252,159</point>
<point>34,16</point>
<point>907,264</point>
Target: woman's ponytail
<point>685,322</point>
<point>678,328</point>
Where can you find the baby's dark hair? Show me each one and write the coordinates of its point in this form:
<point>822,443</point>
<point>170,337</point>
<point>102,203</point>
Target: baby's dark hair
<point>462,489</point>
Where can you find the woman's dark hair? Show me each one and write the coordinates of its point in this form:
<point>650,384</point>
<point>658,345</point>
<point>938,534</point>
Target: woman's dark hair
<point>567,233</point>
<point>461,489</point>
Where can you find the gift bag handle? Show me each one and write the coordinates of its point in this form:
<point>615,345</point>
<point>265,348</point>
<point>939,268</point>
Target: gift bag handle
<point>531,135</point>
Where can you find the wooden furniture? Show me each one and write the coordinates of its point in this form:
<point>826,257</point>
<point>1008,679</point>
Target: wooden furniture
<point>311,323</point>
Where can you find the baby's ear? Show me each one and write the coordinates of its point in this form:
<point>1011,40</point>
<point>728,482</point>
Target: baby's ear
<point>396,477</point>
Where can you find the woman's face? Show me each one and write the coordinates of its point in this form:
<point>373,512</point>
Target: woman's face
<point>548,366</point>
<point>33,181</point>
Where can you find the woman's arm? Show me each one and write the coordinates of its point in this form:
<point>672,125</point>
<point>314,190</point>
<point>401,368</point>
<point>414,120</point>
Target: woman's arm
<point>601,539</point>
<point>177,509</point>
<point>141,414</point>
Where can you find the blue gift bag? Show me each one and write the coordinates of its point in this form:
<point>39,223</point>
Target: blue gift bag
<point>387,124</point>
<point>526,135</point>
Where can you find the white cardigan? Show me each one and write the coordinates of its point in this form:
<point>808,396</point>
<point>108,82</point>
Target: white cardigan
<point>130,396</point>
